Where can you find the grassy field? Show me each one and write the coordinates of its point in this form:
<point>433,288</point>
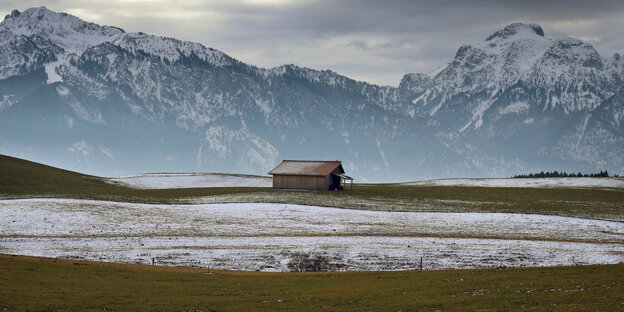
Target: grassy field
<point>43,284</point>
<point>23,179</point>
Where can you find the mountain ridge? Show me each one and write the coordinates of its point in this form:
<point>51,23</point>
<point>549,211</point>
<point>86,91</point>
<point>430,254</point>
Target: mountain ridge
<point>180,105</point>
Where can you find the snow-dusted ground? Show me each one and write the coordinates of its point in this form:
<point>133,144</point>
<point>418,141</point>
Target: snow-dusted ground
<point>260,236</point>
<point>190,180</point>
<point>535,182</point>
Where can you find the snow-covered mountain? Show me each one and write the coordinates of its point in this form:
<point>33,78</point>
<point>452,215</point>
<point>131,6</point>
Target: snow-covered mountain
<point>101,100</point>
<point>527,99</point>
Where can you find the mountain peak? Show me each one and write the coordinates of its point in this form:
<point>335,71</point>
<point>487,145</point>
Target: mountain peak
<point>517,28</point>
<point>14,13</point>
<point>417,82</point>
<point>58,26</point>
<point>35,12</point>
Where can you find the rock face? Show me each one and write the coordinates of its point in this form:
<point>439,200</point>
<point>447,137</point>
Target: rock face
<point>101,100</point>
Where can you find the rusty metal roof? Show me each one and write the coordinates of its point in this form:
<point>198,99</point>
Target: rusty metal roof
<point>307,167</point>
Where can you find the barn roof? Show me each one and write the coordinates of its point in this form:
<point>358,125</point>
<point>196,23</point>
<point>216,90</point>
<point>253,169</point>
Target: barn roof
<point>307,167</point>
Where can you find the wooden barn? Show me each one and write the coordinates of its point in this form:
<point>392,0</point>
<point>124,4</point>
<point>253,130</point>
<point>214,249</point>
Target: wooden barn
<point>309,175</point>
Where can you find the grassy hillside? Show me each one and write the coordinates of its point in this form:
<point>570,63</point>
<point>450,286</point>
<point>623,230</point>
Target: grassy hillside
<point>21,178</point>
<point>29,283</point>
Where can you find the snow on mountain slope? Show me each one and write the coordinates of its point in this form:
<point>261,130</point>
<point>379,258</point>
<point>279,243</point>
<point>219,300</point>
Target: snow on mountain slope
<point>233,114</point>
<point>575,67</point>
<point>21,55</point>
<point>597,137</point>
<point>515,102</point>
<point>548,73</point>
<point>507,54</point>
<point>74,36</point>
<point>66,31</point>
<point>69,33</point>
<point>520,92</point>
<point>481,72</point>
<point>159,75</point>
<point>170,48</point>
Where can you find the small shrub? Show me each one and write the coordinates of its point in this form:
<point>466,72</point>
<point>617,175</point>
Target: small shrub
<point>304,262</point>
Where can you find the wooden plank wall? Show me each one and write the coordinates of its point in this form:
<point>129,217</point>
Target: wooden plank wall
<point>301,182</point>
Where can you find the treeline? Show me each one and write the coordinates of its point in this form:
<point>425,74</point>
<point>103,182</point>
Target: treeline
<point>564,174</point>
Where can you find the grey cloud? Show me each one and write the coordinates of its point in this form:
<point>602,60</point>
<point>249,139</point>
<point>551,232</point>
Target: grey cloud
<point>372,40</point>
<point>358,44</point>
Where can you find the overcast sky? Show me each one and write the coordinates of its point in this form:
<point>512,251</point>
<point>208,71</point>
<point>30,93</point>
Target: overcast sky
<point>370,40</point>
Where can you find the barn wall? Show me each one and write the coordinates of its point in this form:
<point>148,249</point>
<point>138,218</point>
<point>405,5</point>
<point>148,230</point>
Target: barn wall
<point>301,182</point>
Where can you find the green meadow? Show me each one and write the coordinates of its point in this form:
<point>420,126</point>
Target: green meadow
<point>46,284</point>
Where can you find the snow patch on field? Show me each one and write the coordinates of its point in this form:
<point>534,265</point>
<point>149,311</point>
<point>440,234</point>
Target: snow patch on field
<point>537,182</point>
<point>348,253</point>
<point>190,180</point>
<point>261,236</point>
